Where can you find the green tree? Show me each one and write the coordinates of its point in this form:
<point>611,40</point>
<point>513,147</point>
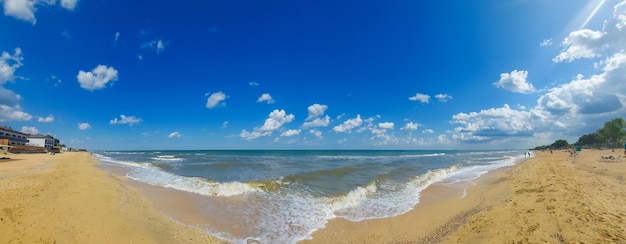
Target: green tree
<point>560,144</point>
<point>588,139</point>
<point>613,131</point>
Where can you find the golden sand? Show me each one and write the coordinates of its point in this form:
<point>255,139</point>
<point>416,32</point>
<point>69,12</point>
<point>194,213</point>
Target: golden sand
<point>64,198</point>
<point>552,198</point>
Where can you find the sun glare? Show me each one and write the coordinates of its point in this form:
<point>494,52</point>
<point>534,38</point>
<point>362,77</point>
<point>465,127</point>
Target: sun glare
<point>593,13</point>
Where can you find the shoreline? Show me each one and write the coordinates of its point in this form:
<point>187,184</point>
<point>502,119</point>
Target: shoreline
<point>551,198</point>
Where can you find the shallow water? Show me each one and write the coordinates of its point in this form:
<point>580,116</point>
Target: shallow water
<point>283,196</point>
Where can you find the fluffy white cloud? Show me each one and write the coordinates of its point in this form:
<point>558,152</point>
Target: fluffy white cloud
<point>276,119</point>
<point>316,110</point>
<point>443,97</point>
<point>266,97</point>
<point>587,43</point>
<point>48,119</point>
<point>216,99</point>
<point>410,126</point>
<point>174,134</point>
<point>129,120</point>
<point>20,9</point>
<point>386,125</point>
<point>428,131</point>
<point>9,107</point>
<point>492,123</point>
<point>290,133</point>
<point>423,98</point>
<point>252,83</point>
<point>348,125</point>
<point>316,117</point>
<point>8,113</point>
<point>97,78</point>
<point>25,9</point>
<point>316,133</point>
<point>84,126</point>
<point>30,130</point>
<point>8,64</point>
<point>69,4</point>
<point>317,122</point>
<point>516,81</point>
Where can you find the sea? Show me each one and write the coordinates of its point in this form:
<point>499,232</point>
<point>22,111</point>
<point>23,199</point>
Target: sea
<point>274,196</point>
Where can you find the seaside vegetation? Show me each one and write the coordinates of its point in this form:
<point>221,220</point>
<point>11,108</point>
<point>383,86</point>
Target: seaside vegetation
<point>612,135</point>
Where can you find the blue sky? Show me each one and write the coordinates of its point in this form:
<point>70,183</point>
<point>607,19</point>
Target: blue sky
<point>486,74</point>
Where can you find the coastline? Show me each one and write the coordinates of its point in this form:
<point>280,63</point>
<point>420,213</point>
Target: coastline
<point>550,198</point>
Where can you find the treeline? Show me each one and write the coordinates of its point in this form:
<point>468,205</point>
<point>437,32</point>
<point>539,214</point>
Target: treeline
<point>612,135</point>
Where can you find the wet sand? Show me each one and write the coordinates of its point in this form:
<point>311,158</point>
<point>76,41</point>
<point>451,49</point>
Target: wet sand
<point>64,198</point>
<point>552,198</point>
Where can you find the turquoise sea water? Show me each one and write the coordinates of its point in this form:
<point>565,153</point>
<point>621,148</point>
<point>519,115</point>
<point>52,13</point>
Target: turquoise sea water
<point>284,196</point>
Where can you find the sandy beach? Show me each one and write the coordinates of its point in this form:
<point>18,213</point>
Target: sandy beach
<point>64,198</point>
<point>551,198</point>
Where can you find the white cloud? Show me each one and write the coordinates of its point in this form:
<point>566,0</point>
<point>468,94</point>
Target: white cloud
<point>515,82</point>
<point>97,78</point>
<point>21,9</point>
<point>155,45</point>
<point>129,120</point>
<point>225,124</point>
<point>30,130</point>
<point>252,83</point>
<point>386,125</point>
<point>316,110</point>
<point>276,119</point>
<point>316,133</point>
<point>266,97</point>
<point>290,133</point>
<point>216,99</point>
<point>443,97</point>
<point>423,98</point>
<point>8,113</point>
<point>8,64</point>
<point>316,117</point>
<point>9,100</point>
<point>25,9</point>
<point>317,122</point>
<point>587,43</point>
<point>428,131</point>
<point>84,126</point>
<point>117,38</point>
<point>69,4</point>
<point>48,119</point>
<point>174,134</point>
<point>348,125</point>
<point>546,43</point>
<point>410,126</point>
<point>492,123</point>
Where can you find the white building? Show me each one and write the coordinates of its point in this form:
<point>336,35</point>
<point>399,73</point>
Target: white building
<point>14,137</point>
<point>40,141</point>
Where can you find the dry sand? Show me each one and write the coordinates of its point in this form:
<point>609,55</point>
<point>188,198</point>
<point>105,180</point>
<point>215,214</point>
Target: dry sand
<point>552,198</point>
<point>64,198</point>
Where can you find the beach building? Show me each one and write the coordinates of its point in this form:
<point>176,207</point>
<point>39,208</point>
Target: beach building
<point>15,138</point>
<point>40,141</point>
